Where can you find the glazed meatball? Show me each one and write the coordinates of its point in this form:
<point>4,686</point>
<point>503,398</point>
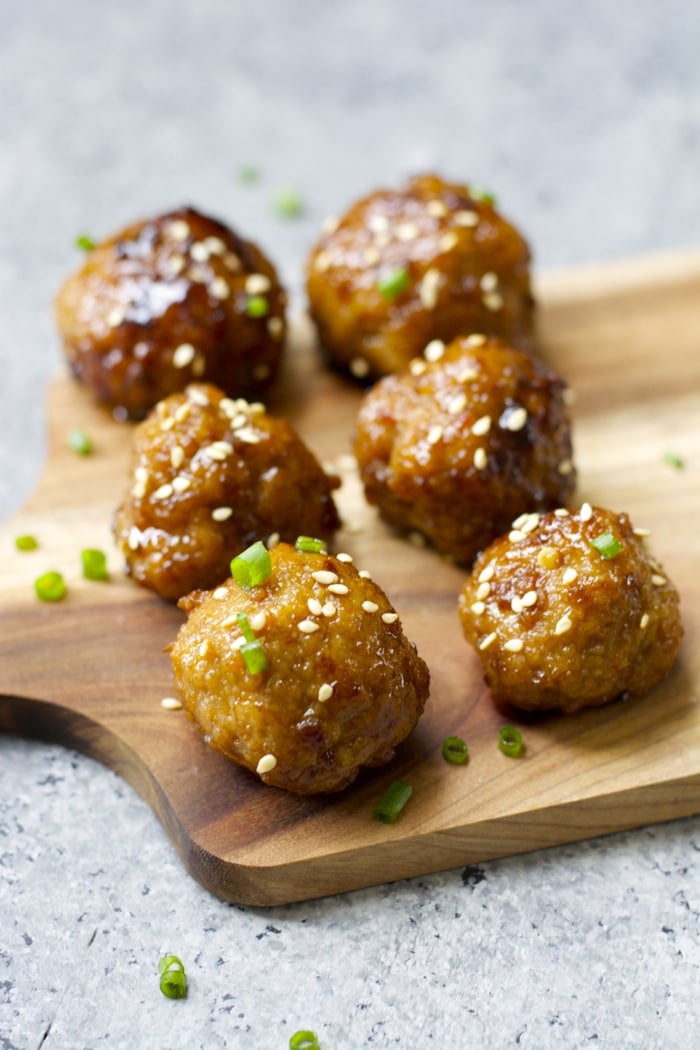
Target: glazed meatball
<point>569,610</point>
<point>458,445</point>
<point>430,261</point>
<point>342,685</point>
<point>209,476</point>
<point>169,300</point>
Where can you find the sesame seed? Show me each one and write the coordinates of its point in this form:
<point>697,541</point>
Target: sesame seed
<point>359,367</point>
<point>214,245</point>
<point>514,418</point>
<point>232,262</point>
<point>197,396</point>
<point>448,241</point>
<point>370,607</point>
<point>139,490</point>
<point>181,484</point>
<point>483,590</point>
<point>516,604</point>
<point>182,412</point>
<point>371,255</point>
<point>529,522</point>
<point>434,434</point>
<point>488,282</point>
<point>428,290</point>
<point>467,374</point>
<point>177,456</point>
<point>563,625</point>
<point>141,473</point>
<point>171,703</point>
<point>204,648</point>
<point>480,458</point>
<point>199,252</point>
<point>248,435</point>
<point>266,764</point>
<point>516,535</point>
<point>513,645</point>
<point>329,610</point>
<point>325,577</point>
<point>346,463</point>
<point>347,558</point>
<point>378,223</point>
<point>569,575</point>
<point>487,641</point>
<point>565,467</point>
<point>163,491</point>
<point>482,426</point>
<point>528,599</point>
<point>457,404</point>
<point>258,620</point>
<point>219,288</point>
<point>168,423</point>
<point>221,513</point>
<point>272,540</point>
<point>492,301</point>
<point>486,574</point>
<point>407,231</point>
<point>561,512</point>
<point>178,230</point>
<point>330,224</point>
<point>257,284</point>
<point>475,339</point>
<point>315,607</point>
<point>477,608</point>
<point>230,621</point>
<point>176,264</point>
<point>417,367</point>
<point>644,622</point>
<point>586,512</point>
<point>115,317</point>
<point>365,574</point>
<point>658,580</point>
<point>325,692</point>
<point>437,208</point>
<point>466,218</point>
<point>198,275</point>
<point>219,593</point>
<point>307,626</point>
<point>434,350</point>
<point>389,617</point>
<point>322,262</point>
<point>642,533</point>
<point>133,541</point>
<point>338,588</point>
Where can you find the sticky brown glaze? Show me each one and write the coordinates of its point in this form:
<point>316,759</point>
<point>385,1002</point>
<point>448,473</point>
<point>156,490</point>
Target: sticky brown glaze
<point>467,268</point>
<point>343,686</point>
<point>557,625</point>
<point>209,476</point>
<point>457,446</point>
<point>167,301</point>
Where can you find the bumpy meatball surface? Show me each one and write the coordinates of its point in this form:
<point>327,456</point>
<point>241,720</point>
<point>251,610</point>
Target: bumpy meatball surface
<point>430,261</point>
<point>342,687</point>
<point>168,300</point>
<point>460,444</point>
<point>209,476</point>
<point>569,610</point>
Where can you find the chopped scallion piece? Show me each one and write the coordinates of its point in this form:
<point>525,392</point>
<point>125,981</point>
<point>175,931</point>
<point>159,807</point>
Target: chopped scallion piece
<point>51,587</point>
<point>252,566</point>
<point>288,203</point>
<point>606,544</point>
<point>674,460</point>
<point>80,442</point>
<point>257,306</point>
<point>248,173</point>
<point>26,543</point>
<point>478,193</point>
<point>304,1040</point>
<point>392,802</point>
<point>510,741</point>
<point>85,243</point>
<point>394,282</point>
<point>94,564</point>
<point>309,545</point>
<point>455,750</point>
<point>252,651</point>
<point>173,981</point>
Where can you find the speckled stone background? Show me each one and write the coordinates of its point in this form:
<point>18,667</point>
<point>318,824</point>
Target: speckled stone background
<point>584,118</point>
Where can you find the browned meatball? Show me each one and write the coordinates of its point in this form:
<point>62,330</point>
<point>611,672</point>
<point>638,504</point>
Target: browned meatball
<point>458,445</point>
<point>569,610</point>
<point>430,261</point>
<point>342,686</point>
<point>210,475</point>
<point>169,300</point>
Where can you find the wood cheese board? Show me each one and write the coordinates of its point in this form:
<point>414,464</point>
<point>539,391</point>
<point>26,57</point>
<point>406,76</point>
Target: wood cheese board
<point>90,671</point>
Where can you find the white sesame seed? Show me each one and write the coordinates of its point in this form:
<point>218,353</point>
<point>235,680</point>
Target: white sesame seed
<point>134,538</point>
<point>325,692</point>
<point>168,423</point>
<point>516,604</point>
<point>644,622</point>
<point>658,580</point>
<point>371,255</point>
<point>482,426</point>
<point>219,288</point>
<point>221,513</point>
<point>199,252</point>
<point>181,484</point>
<point>642,533</point>
<point>561,512</point>
<point>378,223</point>
<point>437,208</point>
<point>434,434</point>
<point>204,648</point>
<point>365,574</point>
<point>528,599</point>
<point>417,367</point>
<point>466,218</point>
<point>232,262</point>
<point>182,412</point>
<point>448,241</point>
<point>480,458</point>
<point>218,450</point>
<point>338,588</point>
<point>347,558</point>
<point>257,284</point>
<point>307,626</point>
<point>198,274</point>
<point>163,491</point>
<point>266,764</point>
<point>214,245</point>
<point>359,367</point>
<point>178,230</point>
<point>486,574</point>
<point>197,396</point>
<point>487,641</point>
<point>325,577</point>
<point>513,418</point>
<point>492,301</point>
<point>177,456</point>
<point>428,290</point>
<point>516,535</point>
<point>171,703</point>
<point>457,404</point>
<point>530,522</point>
<point>315,607</point>
<point>475,339</point>
<point>565,467</point>
<point>219,593</point>
<point>272,540</point>
<point>141,473</point>
<point>346,463</point>
<point>563,625</point>
<point>477,608</point>
<point>176,264</point>
<point>407,231</point>
<point>330,224</point>
<point>329,610</point>
<point>483,590</point>
<point>513,645</point>
<point>370,607</point>
<point>569,575</point>
<point>434,350</point>
<point>115,317</point>
<point>389,617</point>
<point>488,282</point>
<point>258,620</point>
<point>586,512</point>
<point>139,490</point>
<point>248,436</point>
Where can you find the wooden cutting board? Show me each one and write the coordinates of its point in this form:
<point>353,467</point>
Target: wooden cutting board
<point>90,672</point>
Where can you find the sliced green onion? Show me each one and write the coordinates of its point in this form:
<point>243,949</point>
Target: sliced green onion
<point>478,193</point>
<point>94,564</point>
<point>304,1040</point>
<point>392,802</point>
<point>257,306</point>
<point>248,173</point>
<point>173,981</point>
<point>51,587</point>
<point>252,651</point>
<point>252,566</point>
<point>510,741</point>
<point>80,442</point>
<point>394,282</point>
<point>26,543</point>
<point>85,243</point>
<point>674,460</point>
<point>606,544</point>
<point>455,750</point>
<point>288,203</point>
<point>309,545</point>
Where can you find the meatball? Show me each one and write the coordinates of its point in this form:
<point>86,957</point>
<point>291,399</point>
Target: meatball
<point>458,445</point>
<point>169,300</point>
<point>430,261</point>
<point>342,686</point>
<point>209,476</point>
<point>569,610</point>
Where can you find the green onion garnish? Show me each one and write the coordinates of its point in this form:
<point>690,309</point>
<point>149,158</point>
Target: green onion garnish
<point>80,442</point>
<point>304,1040</point>
<point>394,282</point>
<point>478,193</point>
<point>248,173</point>
<point>94,564</point>
<point>674,460</point>
<point>85,243</point>
<point>309,545</point>
<point>26,543</point>
<point>606,544</point>
<point>252,651</point>
<point>392,802</point>
<point>257,306</point>
<point>51,587</point>
<point>173,981</point>
<point>455,750</point>
<point>510,741</point>
<point>252,566</point>
<point>288,203</point>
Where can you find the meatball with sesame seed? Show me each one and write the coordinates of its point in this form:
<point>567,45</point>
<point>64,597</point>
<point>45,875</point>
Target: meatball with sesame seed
<point>169,300</point>
<point>335,685</point>
<point>469,436</point>
<point>431,260</point>
<point>209,476</point>
<point>568,610</point>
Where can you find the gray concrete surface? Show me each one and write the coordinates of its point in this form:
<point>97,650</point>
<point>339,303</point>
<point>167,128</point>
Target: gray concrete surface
<point>584,119</point>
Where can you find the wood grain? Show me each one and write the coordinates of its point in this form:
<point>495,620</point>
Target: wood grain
<point>90,671</point>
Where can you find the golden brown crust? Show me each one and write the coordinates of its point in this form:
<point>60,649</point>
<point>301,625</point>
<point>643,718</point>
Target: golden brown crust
<point>557,625</point>
<point>164,302</point>
<point>458,446</point>
<point>468,271</point>
<point>209,476</point>
<point>343,686</point>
